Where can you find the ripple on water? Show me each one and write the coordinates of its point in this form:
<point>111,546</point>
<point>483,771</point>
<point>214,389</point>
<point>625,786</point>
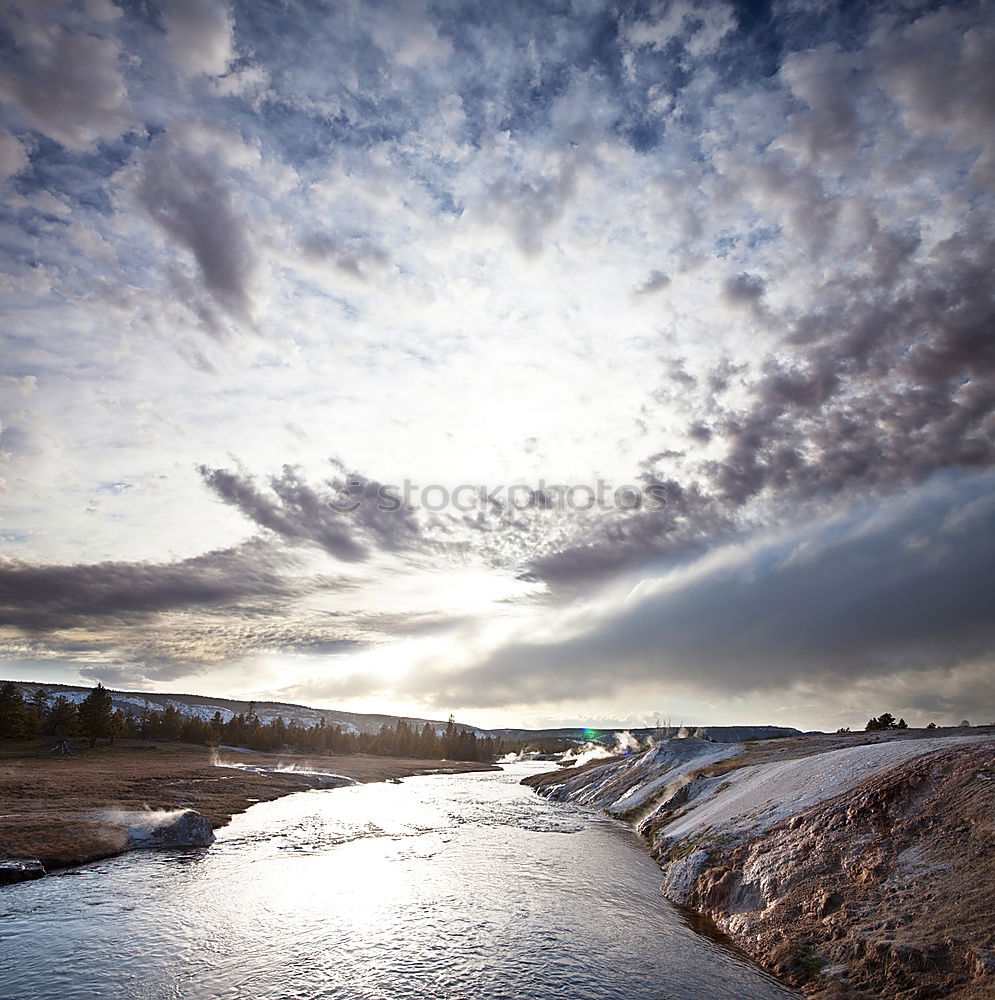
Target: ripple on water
<point>463,887</point>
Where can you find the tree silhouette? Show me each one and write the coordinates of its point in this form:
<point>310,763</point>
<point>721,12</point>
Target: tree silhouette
<point>12,714</point>
<point>96,715</point>
<point>885,721</point>
<point>62,719</point>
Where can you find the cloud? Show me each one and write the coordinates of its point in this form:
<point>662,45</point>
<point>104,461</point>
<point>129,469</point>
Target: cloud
<point>687,525</point>
<point>38,598</point>
<point>529,206</point>
<point>349,517</point>
<point>935,70</point>
<point>356,257</point>
<point>139,622</point>
<point>883,390</point>
<point>743,290</point>
<point>189,189</point>
<point>828,130</point>
<point>697,28</point>
<point>199,35</point>
<point>905,587</point>
<point>740,252</point>
<point>13,155</point>
<point>405,32</point>
<point>66,84</point>
<point>655,282</point>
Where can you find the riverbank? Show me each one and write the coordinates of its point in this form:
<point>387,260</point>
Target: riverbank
<point>849,865</point>
<point>67,811</point>
<point>466,886</point>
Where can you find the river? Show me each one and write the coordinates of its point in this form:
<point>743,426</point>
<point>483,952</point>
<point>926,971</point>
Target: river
<point>453,887</point>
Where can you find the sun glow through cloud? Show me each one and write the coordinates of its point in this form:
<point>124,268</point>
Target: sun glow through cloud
<point>256,262</point>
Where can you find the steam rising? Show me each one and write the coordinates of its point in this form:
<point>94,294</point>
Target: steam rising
<point>151,819</point>
<point>313,777</point>
<point>623,743</point>
<point>140,823</point>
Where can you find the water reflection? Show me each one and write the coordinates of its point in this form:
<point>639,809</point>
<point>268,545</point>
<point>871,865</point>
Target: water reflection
<point>449,887</point>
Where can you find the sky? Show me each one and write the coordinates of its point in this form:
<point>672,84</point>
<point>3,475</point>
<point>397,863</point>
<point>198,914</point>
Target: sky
<point>549,362</point>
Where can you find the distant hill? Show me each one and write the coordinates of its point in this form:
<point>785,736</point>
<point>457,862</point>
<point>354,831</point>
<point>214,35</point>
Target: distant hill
<point>205,706</point>
<point>717,734</point>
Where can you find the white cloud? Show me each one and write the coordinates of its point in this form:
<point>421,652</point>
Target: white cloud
<point>405,32</point>
<point>199,35</point>
<point>13,155</point>
<point>67,85</point>
<point>483,250</point>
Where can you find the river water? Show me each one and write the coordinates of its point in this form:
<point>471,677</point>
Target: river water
<point>453,887</point>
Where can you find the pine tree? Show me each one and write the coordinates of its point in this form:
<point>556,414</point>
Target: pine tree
<point>96,715</point>
<point>172,723</point>
<point>35,710</point>
<point>217,726</point>
<point>12,714</point>
<point>62,719</point>
<point>450,745</point>
<point>884,721</point>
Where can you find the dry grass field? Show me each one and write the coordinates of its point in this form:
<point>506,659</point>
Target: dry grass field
<point>51,807</point>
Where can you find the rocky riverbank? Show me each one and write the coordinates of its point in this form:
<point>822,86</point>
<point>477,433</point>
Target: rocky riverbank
<point>851,866</point>
<point>100,802</point>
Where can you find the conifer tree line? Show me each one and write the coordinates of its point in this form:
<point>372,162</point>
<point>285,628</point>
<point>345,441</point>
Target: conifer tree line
<point>96,718</point>
<point>885,721</point>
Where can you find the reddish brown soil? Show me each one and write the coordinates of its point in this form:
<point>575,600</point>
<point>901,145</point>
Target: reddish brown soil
<point>885,891</point>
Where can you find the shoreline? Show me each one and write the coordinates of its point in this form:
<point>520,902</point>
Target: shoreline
<point>848,867</point>
<point>68,811</point>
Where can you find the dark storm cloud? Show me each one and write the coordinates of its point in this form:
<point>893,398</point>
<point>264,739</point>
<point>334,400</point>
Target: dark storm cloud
<point>907,587</point>
<point>824,171</point>
<point>359,523</point>
<point>145,647</point>
<point>688,524</point>
<point>155,622</point>
<point>743,290</point>
<point>883,367</point>
<point>887,389</point>
<point>188,191</point>
<point>874,391</point>
<point>39,598</point>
